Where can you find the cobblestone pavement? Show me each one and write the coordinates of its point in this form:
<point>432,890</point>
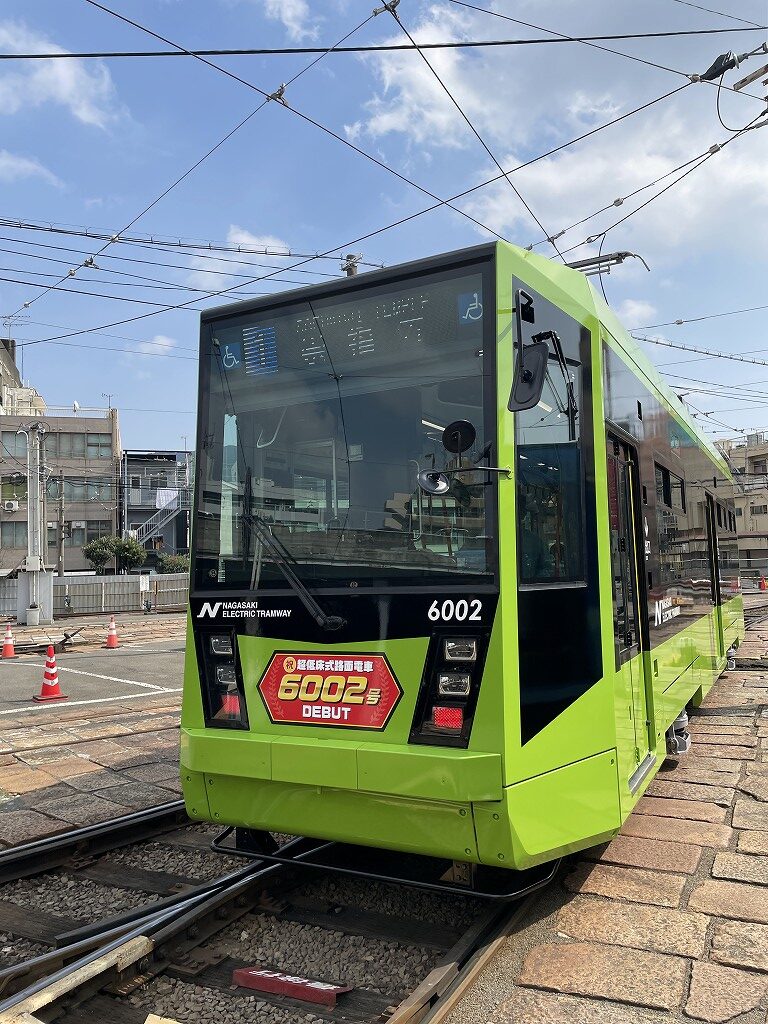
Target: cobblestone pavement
<point>81,762</point>
<point>670,920</point>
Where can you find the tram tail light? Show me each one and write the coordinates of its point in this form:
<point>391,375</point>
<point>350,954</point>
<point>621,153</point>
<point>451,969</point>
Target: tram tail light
<point>230,705</point>
<point>448,718</point>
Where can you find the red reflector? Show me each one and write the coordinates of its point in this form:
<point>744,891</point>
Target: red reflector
<point>230,707</point>
<point>447,718</point>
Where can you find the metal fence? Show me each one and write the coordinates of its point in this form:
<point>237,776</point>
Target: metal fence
<point>80,595</point>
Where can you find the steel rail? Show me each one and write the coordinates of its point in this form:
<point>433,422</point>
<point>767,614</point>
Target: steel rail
<point>92,936</point>
<point>142,942</point>
<point>54,851</point>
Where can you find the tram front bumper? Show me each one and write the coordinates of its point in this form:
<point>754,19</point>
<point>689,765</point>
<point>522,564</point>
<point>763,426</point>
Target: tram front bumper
<point>440,802</point>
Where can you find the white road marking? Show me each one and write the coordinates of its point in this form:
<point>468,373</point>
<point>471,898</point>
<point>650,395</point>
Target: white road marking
<point>111,679</point>
<point>77,703</point>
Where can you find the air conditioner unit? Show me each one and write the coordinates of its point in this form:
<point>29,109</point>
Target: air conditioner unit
<point>10,506</point>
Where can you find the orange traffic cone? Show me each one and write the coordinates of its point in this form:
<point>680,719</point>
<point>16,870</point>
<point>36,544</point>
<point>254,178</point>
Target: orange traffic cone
<point>9,651</point>
<point>50,689</point>
<point>111,643</point>
<point>763,585</point>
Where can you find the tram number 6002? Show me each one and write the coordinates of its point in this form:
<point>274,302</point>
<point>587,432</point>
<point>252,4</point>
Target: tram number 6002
<point>455,611</point>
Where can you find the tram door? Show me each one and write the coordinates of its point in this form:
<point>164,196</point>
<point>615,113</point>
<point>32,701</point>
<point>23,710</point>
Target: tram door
<point>627,562</point>
<point>718,647</point>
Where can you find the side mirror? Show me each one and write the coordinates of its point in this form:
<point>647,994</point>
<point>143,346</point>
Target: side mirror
<point>530,361</point>
<point>530,374</point>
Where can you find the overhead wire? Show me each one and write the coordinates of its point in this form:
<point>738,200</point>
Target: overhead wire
<point>596,46</point>
<point>182,177</point>
<point>278,96</point>
<point>692,348</point>
<point>190,268</point>
<point>392,224</point>
<point>722,14</point>
<point>698,319</point>
<point>267,51</point>
<point>392,8</point>
<point>713,151</point>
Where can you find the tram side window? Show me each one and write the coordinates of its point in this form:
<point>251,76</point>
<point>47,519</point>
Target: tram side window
<point>670,505</point>
<point>549,493</point>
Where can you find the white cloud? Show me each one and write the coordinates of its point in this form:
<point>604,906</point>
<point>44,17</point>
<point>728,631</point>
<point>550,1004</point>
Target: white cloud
<point>143,368</point>
<point>86,91</point>
<point>295,16</point>
<point>15,168</point>
<point>411,102</point>
<point>528,99</point>
<point>635,313</point>
<point>161,344</point>
<point>202,268</point>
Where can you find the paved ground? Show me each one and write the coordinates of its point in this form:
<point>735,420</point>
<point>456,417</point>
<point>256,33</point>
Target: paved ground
<point>670,920</point>
<point>109,749</point>
<point>93,676</point>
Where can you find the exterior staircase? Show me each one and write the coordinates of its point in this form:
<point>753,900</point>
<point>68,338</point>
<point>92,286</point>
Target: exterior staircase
<point>180,502</point>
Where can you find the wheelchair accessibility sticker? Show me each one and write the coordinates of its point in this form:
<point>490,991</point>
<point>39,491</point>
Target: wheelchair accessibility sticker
<point>470,308</point>
<point>231,355</point>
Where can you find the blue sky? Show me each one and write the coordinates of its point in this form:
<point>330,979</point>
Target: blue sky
<point>89,144</point>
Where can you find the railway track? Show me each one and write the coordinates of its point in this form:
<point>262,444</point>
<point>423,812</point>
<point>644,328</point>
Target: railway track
<point>394,953</point>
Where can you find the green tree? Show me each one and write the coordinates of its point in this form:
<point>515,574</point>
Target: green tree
<point>173,563</point>
<point>98,552</point>
<point>129,553</point>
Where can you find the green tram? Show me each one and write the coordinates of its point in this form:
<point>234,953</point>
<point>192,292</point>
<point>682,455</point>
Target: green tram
<point>461,560</point>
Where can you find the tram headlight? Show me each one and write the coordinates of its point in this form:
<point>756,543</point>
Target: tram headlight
<point>221,645</point>
<point>226,676</point>
<point>454,684</point>
<point>459,649</point>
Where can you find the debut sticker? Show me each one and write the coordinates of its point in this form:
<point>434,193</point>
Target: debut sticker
<point>357,690</point>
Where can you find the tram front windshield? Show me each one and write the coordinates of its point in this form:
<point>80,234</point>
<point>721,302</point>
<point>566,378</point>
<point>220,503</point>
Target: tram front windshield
<point>317,418</point>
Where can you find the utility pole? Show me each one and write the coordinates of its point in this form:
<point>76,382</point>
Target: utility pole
<point>35,563</point>
<point>349,266</point>
<point>60,527</point>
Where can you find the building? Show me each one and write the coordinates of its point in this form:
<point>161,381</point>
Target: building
<point>81,467</point>
<point>155,501</point>
<point>748,457</point>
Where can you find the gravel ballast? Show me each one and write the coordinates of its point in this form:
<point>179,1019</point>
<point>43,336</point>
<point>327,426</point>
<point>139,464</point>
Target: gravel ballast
<point>78,898</point>
<point>157,856</point>
<point>398,901</point>
<point>391,968</point>
<point>193,1004</point>
<point>14,950</point>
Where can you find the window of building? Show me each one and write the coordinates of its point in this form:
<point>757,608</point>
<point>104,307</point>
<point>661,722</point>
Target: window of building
<point>99,489</point>
<point>14,487</point>
<point>135,482</point>
<point>75,490</point>
<point>760,466</point>
<point>759,510</point>
<point>159,480</point>
<point>99,446</point>
<point>98,528</point>
<point>13,535</point>
<point>66,446</point>
<point>74,534</point>
<point>13,443</point>
<point>739,512</point>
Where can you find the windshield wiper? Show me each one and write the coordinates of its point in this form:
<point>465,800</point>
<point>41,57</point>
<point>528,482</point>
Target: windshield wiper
<point>570,392</point>
<point>280,554</point>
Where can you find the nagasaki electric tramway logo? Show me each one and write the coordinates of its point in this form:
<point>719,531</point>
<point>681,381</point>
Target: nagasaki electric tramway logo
<point>240,610</point>
<point>356,690</point>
